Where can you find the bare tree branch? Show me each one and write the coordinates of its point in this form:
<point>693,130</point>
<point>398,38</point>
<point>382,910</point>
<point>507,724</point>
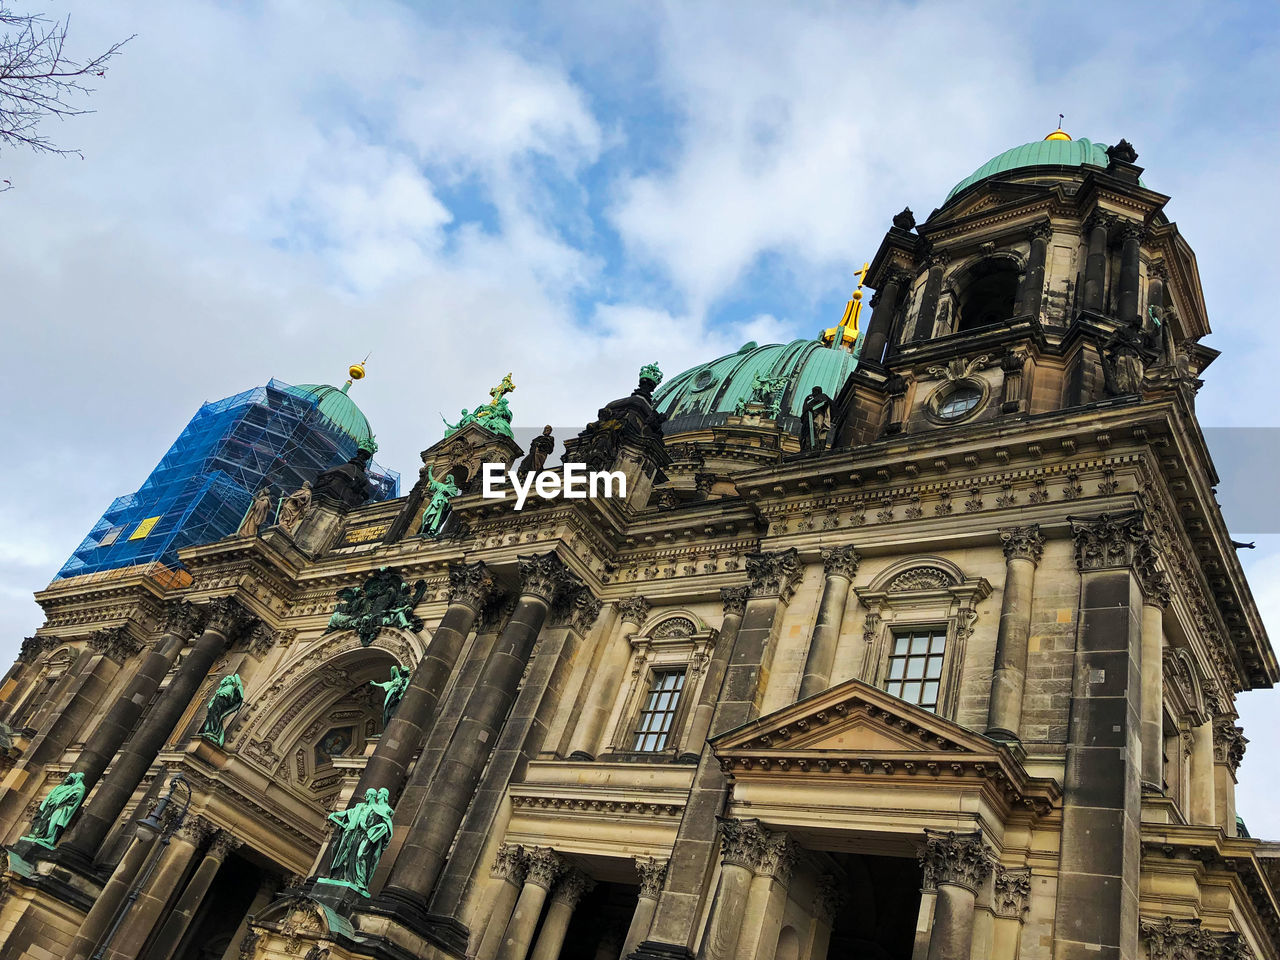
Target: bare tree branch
<point>38,80</point>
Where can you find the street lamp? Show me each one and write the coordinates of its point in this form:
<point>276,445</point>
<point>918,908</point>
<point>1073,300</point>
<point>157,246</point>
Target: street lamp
<point>148,828</point>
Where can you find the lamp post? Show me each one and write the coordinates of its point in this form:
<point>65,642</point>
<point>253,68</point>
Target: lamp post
<point>147,829</point>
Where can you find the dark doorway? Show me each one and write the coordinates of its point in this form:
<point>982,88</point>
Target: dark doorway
<point>600,922</point>
<point>877,920</point>
<point>224,906</point>
<point>989,296</point>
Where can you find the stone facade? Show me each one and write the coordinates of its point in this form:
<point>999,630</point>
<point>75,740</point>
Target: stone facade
<point>957,683</point>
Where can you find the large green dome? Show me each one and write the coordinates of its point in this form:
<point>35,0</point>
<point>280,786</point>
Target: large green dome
<point>337,407</point>
<point>1041,153</point>
<point>706,394</point>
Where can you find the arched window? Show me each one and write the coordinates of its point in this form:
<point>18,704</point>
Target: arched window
<point>989,294</point>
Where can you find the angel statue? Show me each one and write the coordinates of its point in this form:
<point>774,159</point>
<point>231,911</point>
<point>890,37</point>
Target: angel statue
<point>223,706</point>
<point>56,810</point>
<point>441,492</point>
<point>393,690</point>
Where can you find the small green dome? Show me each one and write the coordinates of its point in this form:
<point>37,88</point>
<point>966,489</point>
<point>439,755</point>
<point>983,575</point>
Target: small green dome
<point>704,395</point>
<point>336,407</point>
<point>1040,153</point>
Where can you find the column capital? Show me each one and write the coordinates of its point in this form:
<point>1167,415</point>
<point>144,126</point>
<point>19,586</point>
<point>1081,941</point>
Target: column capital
<point>571,887</point>
<point>959,859</point>
<point>778,858</point>
<point>774,574</point>
<point>734,600</point>
<point>829,899</point>
<point>1099,219</point>
<point>260,639</point>
<point>1132,230</point>
<point>1228,742</point>
<point>653,873</point>
<point>1040,230</point>
<point>1111,541</point>
<point>841,561</point>
<point>117,643</point>
<point>196,830</point>
<point>32,647</point>
<point>633,610</point>
<point>544,865</point>
<point>227,616</point>
<point>1170,939</point>
<point>1011,893</point>
<point>544,576</point>
<point>510,864</point>
<point>223,843</point>
<point>741,841</point>
<point>577,608</point>
<point>184,619</point>
<point>470,584</point>
<point>1022,543</point>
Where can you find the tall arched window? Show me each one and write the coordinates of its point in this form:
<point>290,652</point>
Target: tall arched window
<point>989,294</point>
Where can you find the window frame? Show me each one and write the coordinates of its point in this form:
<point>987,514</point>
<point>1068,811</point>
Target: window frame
<point>676,715</point>
<point>910,631</point>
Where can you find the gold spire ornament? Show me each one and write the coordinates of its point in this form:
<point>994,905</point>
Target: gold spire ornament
<point>355,372</point>
<point>845,335</point>
<point>1059,134</point>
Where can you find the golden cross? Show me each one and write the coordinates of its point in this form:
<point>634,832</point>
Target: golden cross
<point>862,274</point>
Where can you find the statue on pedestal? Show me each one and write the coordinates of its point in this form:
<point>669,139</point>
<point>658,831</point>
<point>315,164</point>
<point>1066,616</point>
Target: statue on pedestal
<point>56,810</point>
<point>366,831</point>
<point>815,420</point>
<point>440,493</point>
<point>393,691</point>
<point>257,515</point>
<point>542,447</point>
<point>223,706</point>
<point>494,416</point>
<point>294,508</point>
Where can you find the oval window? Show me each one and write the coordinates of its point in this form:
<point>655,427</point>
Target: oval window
<point>703,380</point>
<point>959,402</point>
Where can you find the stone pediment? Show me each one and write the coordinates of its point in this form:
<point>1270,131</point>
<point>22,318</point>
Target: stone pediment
<point>1008,195</point>
<point>858,730</point>
<point>467,449</point>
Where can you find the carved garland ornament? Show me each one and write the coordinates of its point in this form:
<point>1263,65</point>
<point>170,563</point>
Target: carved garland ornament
<point>1228,743</point>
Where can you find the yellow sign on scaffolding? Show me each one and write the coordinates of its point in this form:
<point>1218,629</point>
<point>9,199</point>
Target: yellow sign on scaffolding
<point>143,528</point>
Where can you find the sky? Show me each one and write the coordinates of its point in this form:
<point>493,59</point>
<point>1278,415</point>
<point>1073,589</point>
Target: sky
<point>564,191</point>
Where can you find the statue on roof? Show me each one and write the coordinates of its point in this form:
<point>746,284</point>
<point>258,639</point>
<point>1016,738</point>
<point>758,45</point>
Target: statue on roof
<point>294,508</point>
<point>440,492</point>
<point>257,513</point>
<point>56,810</point>
<point>540,448</point>
<point>815,420</point>
<point>766,391</point>
<point>494,416</point>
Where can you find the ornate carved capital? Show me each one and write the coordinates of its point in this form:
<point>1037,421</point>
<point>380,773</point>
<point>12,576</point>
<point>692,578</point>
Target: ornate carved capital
<point>1228,743</point>
<point>184,619</point>
<point>938,259</point>
<point>829,899</point>
<point>260,639</point>
<point>543,867</point>
<point>222,844</point>
<point>470,584</point>
<point>544,576</point>
<point>734,600</point>
<point>226,616</point>
<point>1041,230</point>
<point>1111,541</point>
<point>949,857</point>
<point>1022,543</point>
<point>578,609</point>
<point>840,561</point>
<point>196,830</point>
<point>1131,230</point>
<point>1098,219</point>
<point>634,610</point>
<point>653,873</point>
<point>510,864</point>
<point>1170,939</point>
<point>32,647</point>
<point>1154,583</point>
<point>778,858</point>
<point>774,574</point>
<point>117,643</point>
<point>742,842</point>
<point>573,884</point>
<point>1011,893</point>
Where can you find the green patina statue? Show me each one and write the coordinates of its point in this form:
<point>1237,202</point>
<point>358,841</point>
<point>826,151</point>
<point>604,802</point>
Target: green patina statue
<point>494,416</point>
<point>56,810</point>
<point>650,371</point>
<point>437,510</point>
<point>365,832</point>
<point>383,600</point>
<point>223,706</point>
<point>766,391</point>
<point>394,692</point>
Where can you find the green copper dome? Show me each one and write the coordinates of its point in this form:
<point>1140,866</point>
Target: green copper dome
<point>1041,153</point>
<point>706,394</point>
<point>337,407</point>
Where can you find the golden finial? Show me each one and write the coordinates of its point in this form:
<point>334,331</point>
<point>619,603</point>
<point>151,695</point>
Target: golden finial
<point>846,333</point>
<point>356,372</point>
<point>1059,134</point>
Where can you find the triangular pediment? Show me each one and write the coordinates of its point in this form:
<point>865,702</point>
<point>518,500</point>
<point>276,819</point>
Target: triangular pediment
<point>1006,196</point>
<point>853,717</point>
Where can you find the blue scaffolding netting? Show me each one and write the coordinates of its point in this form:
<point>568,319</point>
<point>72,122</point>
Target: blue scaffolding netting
<point>202,488</point>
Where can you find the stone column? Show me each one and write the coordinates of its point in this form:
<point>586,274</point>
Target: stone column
<point>772,578</point>
<point>825,907</point>
<point>1095,269</point>
<point>450,789</point>
<point>1155,597</point>
<point>1131,235</point>
<point>568,891</point>
<point>841,566</point>
<point>735,603</point>
<point>884,306</point>
<point>742,844</point>
<point>652,872</point>
<point>100,915</point>
<point>470,585</point>
<point>1228,750</point>
<point>267,891</point>
<point>132,934</point>
<point>928,315</point>
<point>1032,287</point>
<point>767,899</point>
<point>544,867</point>
<point>957,864</point>
<point>167,940</point>
<point>1010,901</point>
<point>1102,802</point>
<point>508,872</point>
<point>633,612</point>
<point>1203,811</point>
<point>1159,276</point>
<point>226,619</point>
<point>1023,547</point>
